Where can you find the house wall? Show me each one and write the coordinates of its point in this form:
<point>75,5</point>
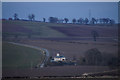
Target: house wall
<point>59,59</point>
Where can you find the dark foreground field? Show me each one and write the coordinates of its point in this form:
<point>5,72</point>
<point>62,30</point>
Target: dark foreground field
<point>61,79</point>
<point>58,71</point>
<point>67,49</point>
<point>63,73</point>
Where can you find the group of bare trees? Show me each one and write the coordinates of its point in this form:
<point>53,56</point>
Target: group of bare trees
<point>82,21</point>
<point>95,21</point>
<point>31,17</point>
<point>57,20</point>
<point>106,21</point>
<point>95,57</point>
<point>66,20</point>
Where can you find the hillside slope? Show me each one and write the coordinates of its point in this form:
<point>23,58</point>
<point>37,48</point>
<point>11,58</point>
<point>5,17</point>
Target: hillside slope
<point>14,56</point>
<point>25,28</point>
<point>41,29</point>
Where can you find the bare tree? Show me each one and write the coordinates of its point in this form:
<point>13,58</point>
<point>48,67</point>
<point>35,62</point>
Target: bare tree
<point>44,19</point>
<point>81,21</point>
<point>60,20</point>
<point>66,20</point>
<point>15,16</point>
<point>86,20</point>
<point>74,20</point>
<point>93,21</point>
<point>31,17</point>
<point>112,21</point>
<point>95,35</point>
<point>93,57</point>
<point>53,19</point>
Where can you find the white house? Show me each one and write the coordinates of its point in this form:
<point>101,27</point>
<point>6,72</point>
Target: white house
<point>59,58</point>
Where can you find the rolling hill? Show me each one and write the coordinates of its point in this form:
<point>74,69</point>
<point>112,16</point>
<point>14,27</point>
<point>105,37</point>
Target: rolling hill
<point>55,30</point>
<point>25,28</point>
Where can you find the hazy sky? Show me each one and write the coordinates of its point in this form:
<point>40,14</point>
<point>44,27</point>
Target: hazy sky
<point>61,9</point>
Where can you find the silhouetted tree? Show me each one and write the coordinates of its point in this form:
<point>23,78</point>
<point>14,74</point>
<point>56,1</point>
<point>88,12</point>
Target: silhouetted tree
<point>97,21</point>
<point>15,16</point>
<point>104,20</point>
<point>95,34</point>
<point>112,21</point>
<point>66,20</point>
<point>110,60</point>
<point>74,20</point>
<point>53,19</point>
<point>60,20</point>
<point>44,19</point>
<point>101,21</point>
<point>86,20</point>
<point>93,57</point>
<point>107,20</point>
<point>80,21</point>
<point>93,21</point>
<point>31,17</point>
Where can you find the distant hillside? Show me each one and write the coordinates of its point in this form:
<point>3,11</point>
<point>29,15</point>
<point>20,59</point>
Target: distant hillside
<point>25,28</point>
<point>41,29</point>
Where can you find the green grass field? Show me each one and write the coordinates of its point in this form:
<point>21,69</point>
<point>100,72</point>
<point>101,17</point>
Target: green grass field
<point>14,56</point>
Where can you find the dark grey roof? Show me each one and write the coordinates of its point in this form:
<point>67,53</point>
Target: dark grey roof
<point>59,56</point>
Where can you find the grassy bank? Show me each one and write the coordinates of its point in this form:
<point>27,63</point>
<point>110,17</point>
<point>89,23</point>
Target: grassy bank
<point>14,56</point>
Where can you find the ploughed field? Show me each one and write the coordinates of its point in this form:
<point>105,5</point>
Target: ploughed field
<point>71,49</point>
<point>85,31</point>
<point>28,29</point>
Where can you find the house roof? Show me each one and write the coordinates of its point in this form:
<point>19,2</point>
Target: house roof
<point>59,57</point>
